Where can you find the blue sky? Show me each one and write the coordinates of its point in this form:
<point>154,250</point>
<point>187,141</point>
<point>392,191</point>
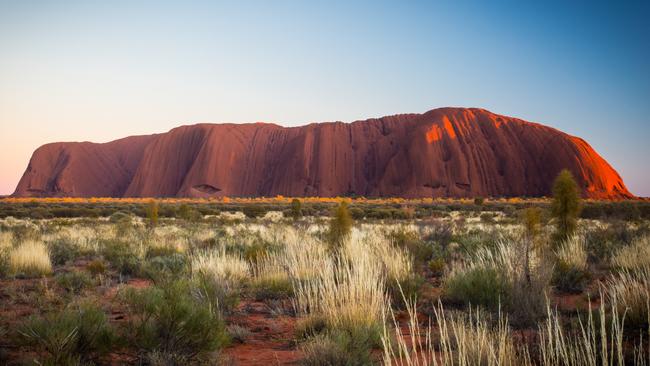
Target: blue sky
<point>84,70</point>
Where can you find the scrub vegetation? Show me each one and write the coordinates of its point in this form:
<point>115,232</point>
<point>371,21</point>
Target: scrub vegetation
<point>347,281</point>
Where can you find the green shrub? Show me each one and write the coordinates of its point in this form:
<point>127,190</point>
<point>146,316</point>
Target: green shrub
<point>357,213</point>
<point>565,207</point>
<point>163,268</point>
<point>603,242</point>
<point>475,240</point>
<point>379,213</point>
<point>296,209</point>
<point>123,224</point>
<point>169,319</point>
<point>421,250</point>
<point>74,282</point>
<point>62,252</point>
<point>161,251</point>
<point>119,217</point>
<point>570,279</point>
<point>188,213</point>
<point>478,287</point>
<point>571,270</point>
<point>487,218</point>
<point>253,211</point>
<point>121,256</point>
<point>272,289</point>
<point>152,213</point>
<point>216,293</point>
<point>255,251</point>
<point>340,226</point>
<point>478,201</point>
<point>339,348</point>
<point>72,336</point>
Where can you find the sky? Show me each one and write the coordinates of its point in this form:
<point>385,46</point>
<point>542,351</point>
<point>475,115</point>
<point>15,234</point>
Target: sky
<point>101,70</point>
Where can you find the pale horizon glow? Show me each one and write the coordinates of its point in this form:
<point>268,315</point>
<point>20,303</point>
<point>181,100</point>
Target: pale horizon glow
<point>99,71</point>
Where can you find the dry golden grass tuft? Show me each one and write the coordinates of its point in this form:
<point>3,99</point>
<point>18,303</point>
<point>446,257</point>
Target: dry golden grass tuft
<point>629,291</point>
<point>348,294</point>
<point>635,256</point>
<point>31,259</point>
<point>219,265</point>
<point>458,339</point>
<point>573,253</point>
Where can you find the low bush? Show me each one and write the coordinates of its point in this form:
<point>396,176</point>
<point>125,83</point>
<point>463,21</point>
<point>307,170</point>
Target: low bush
<point>478,287</point>
<point>487,218</point>
<point>119,217</point>
<point>160,251</point>
<point>501,278</point>
<point>96,267</point>
<point>164,268</point>
<point>419,249</point>
<point>254,211</point>
<point>269,288</point>
<point>218,294</point>
<point>340,226</point>
<point>188,213</point>
<point>63,251</point>
<point>221,277</point>
<point>571,270</point>
<point>74,282</point>
<point>570,279</point>
<point>121,256</point>
<point>603,242</point>
<point>169,319</point>
<point>73,336</point>
<point>339,348</point>
<point>255,251</point>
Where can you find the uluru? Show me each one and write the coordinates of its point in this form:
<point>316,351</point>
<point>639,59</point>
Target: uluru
<point>445,152</point>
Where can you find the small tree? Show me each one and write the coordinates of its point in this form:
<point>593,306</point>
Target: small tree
<point>340,226</point>
<point>531,220</point>
<point>566,205</point>
<point>152,213</point>
<point>296,209</point>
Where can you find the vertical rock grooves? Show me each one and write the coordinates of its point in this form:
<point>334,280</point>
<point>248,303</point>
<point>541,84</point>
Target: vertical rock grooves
<point>446,152</point>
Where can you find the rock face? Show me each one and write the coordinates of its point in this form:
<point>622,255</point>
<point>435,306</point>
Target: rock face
<point>453,152</point>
